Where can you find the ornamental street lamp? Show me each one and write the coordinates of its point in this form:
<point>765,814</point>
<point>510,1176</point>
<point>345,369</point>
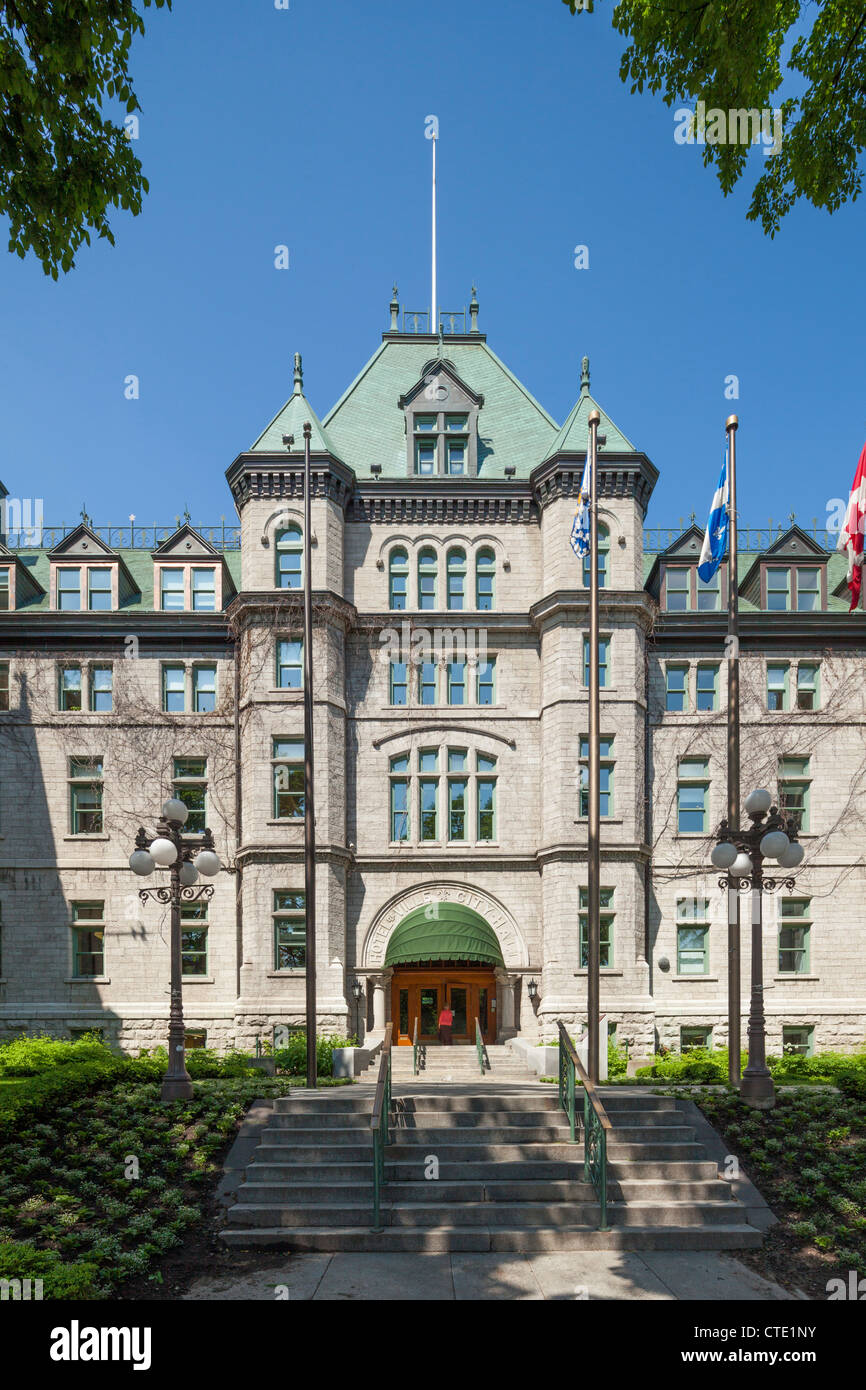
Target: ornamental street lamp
<point>187,860</point>
<point>742,853</point>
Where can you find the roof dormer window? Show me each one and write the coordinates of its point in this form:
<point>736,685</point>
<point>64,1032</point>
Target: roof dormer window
<point>442,442</point>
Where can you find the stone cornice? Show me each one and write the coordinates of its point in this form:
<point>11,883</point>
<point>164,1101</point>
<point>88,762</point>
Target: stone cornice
<point>328,606</point>
<point>448,500</point>
<point>619,475</point>
<point>36,630</point>
<point>613,605</point>
<point>760,631</point>
<point>290,854</point>
<point>280,477</point>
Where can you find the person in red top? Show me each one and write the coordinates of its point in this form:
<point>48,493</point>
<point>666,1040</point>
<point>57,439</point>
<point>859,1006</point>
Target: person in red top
<point>446,1019</point>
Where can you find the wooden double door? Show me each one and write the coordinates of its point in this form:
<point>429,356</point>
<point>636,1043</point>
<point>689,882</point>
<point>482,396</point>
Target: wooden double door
<point>423,993</point>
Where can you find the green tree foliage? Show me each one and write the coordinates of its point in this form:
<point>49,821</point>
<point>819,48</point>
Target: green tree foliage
<point>63,162</point>
<point>730,54</point>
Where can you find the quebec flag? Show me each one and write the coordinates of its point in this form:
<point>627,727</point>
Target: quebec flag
<point>580,525</point>
<point>716,534</point>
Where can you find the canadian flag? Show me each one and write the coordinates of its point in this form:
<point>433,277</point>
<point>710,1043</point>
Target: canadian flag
<point>851,534</point>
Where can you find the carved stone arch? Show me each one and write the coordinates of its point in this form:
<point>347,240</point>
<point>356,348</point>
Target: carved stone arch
<point>514,949</point>
<point>285,514</point>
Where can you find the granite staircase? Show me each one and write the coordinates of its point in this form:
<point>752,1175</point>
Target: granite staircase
<point>447,1064</point>
<point>480,1171</point>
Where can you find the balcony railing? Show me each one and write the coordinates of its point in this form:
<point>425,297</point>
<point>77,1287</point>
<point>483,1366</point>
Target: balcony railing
<point>128,537</point>
<point>752,539</point>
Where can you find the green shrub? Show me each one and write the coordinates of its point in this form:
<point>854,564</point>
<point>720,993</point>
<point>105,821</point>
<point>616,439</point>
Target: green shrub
<point>293,1058</point>
<point>20,1260</point>
<point>617,1061</point>
<point>31,1056</point>
<point>43,1093</point>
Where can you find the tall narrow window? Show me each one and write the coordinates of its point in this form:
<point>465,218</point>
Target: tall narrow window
<point>693,787</point>
<point>171,595</point>
<point>290,930</point>
<point>399,692</point>
<point>794,932</point>
<point>288,552</point>
<point>777,685</point>
<point>485,581</point>
<point>399,791</point>
<point>456,682</point>
<point>457,794</point>
<point>605,776</point>
<point>287,761</point>
<point>88,939</point>
<point>603,558</point>
<point>456,569</point>
<point>455,456</point>
<point>808,590</point>
<point>807,685</point>
<point>4,684</point>
<point>485,794</point>
<point>398,580</point>
<point>101,689</point>
<point>486,678</point>
<point>69,693</point>
<point>174,689</point>
<point>204,689</point>
<point>193,937</point>
<point>693,929</point>
<point>428,793</point>
<point>426,445</point>
<point>794,785</point>
<point>428,674</point>
<point>676,689</point>
<point>677,592</point>
<point>69,590</point>
<point>778,590</point>
<point>606,921</point>
<point>4,587</point>
<point>85,796</point>
<point>99,590</point>
<point>707,695</point>
<point>709,592</point>
<point>189,785</point>
<point>290,664</point>
<point>603,661</point>
<point>204,590</point>
<point>427,579</point>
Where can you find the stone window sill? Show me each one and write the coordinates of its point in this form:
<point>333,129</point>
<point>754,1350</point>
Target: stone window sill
<point>85,839</point>
<point>286,975</point>
<point>712,979</point>
<point>87,980</point>
<point>288,691</point>
<point>197,980</point>
<point>605,820</point>
<point>792,978</point>
<point>298,822</point>
<point>605,970</point>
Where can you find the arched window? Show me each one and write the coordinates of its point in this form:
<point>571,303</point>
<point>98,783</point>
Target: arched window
<point>288,550</point>
<point>456,568</point>
<point>398,579</point>
<point>603,557</point>
<point>485,574</point>
<point>427,566</point>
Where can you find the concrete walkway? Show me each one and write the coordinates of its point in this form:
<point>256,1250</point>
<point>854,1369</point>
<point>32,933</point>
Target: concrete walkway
<point>582,1275</point>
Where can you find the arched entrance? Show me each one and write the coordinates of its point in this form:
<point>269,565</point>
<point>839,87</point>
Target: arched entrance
<point>443,953</point>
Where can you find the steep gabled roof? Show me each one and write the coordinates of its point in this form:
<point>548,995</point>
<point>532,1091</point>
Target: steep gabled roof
<point>290,419</point>
<point>573,438</point>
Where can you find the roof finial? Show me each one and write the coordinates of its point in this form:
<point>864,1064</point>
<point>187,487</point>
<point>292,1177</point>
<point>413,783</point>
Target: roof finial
<point>473,311</point>
<point>395,309</point>
<point>584,376</point>
<point>299,375</point>
<point>84,517</point>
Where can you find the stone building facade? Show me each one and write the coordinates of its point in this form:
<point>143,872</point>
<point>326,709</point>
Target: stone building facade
<point>450,709</point>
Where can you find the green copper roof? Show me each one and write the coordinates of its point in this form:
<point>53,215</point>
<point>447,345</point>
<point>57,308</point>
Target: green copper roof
<point>140,566</point>
<point>290,419</point>
<point>454,933</point>
<point>573,438</point>
<point>837,568</point>
<point>367,424</point>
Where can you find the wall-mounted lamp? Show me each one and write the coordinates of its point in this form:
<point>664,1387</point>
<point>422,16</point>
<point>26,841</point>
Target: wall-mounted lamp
<point>531,988</point>
<point>357,991</point>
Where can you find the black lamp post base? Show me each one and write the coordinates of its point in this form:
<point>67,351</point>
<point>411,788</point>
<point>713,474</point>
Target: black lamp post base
<point>757,1090</point>
<point>176,1087</point>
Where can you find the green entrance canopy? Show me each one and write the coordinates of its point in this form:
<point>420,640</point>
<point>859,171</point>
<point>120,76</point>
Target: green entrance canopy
<point>453,933</point>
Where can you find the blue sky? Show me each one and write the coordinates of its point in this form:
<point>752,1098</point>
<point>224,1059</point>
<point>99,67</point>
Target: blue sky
<point>305,127</point>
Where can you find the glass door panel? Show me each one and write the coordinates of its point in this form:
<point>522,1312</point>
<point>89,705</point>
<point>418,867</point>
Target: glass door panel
<point>404,1013</point>
<point>458,998</point>
<point>429,1012</point>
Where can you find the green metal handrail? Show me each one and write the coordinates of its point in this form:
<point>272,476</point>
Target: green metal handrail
<point>379,1124</point>
<point>595,1120</point>
<point>416,1048</point>
<point>479,1046</point>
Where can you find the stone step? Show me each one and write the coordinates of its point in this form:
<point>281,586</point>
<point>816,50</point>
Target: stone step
<point>276,1149</point>
<point>516,1134</point>
<point>275,1184</point>
<point>484,1238</point>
